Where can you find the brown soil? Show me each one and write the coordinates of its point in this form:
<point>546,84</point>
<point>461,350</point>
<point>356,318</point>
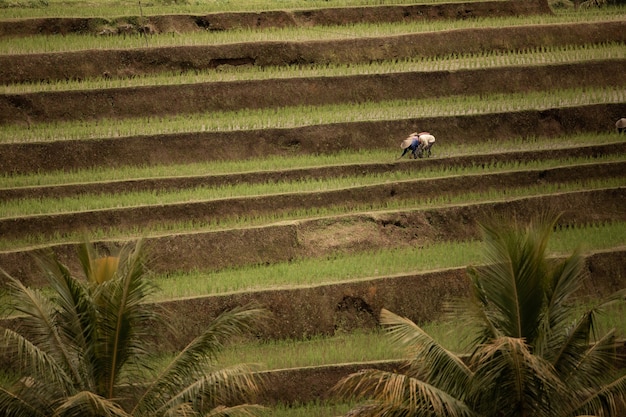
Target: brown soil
<point>267,19</point>
<point>346,234</point>
<point>315,173</point>
<point>320,139</point>
<point>227,96</point>
<point>133,62</point>
<point>234,208</point>
<point>333,309</point>
<point>322,309</point>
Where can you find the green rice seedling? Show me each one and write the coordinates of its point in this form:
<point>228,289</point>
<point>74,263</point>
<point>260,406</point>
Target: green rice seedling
<point>364,345</point>
<point>316,212</point>
<point>359,346</point>
<point>487,59</point>
<point>370,264</point>
<point>307,271</point>
<point>86,202</point>
<point>279,163</point>
<point>316,350</point>
<point>313,409</point>
<point>299,116</point>
<point>109,8</point>
<point>75,42</point>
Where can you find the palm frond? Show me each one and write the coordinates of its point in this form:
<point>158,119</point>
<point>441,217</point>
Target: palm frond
<point>510,380</point>
<point>87,256</point>
<point>36,362</point>
<point>429,360</point>
<point>564,281</point>
<point>391,394</point>
<point>572,350</point>
<point>228,386</point>
<point>194,359</point>
<point>472,311</point>
<point>39,325</point>
<point>608,400</point>
<point>594,367</point>
<point>14,405</point>
<point>124,317</point>
<point>243,410</point>
<point>511,281</point>
<point>75,316</point>
<point>86,403</point>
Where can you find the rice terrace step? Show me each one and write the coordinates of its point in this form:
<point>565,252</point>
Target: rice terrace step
<point>87,96</point>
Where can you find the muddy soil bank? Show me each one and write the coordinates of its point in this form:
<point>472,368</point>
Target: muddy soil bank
<point>343,307</point>
<point>17,158</point>
<point>315,173</point>
<point>287,241</point>
<point>153,24</point>
<point>43,67</point>
<point>333,309</point>
<point>330,309</point>
<point>156,101</point>
<point>224,209</point>
<point>314,384</point>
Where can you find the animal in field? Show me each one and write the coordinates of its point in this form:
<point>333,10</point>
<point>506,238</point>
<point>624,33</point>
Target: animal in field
<point>419,144</point>
<point>620,125</point>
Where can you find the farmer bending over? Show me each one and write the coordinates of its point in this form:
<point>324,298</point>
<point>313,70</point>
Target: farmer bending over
<point>411,143</point>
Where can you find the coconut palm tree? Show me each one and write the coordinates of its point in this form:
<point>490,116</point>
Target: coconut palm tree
<point>532,354</point>
<point>82,345</point>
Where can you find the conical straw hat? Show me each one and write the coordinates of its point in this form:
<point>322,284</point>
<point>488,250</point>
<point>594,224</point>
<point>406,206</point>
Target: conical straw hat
<point>406,143</point>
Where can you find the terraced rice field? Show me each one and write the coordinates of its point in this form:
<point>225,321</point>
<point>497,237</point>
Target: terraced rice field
<point>257,154</point>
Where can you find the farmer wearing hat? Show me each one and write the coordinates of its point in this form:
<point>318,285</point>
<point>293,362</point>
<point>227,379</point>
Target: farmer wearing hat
<point>411,143</point>
<point>417,143</point>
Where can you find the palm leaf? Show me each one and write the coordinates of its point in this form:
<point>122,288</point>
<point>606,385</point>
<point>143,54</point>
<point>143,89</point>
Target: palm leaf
<point>429,360</point>
<point>123,317</point>
<point>573,351</point>
<point>511,381</point>
<point>564,281</point>
<point>243,410</point>
<point>87,255</point>
<point>608,400</point>
<point>232,385</point>
<point>75,316</point>
<point>472,312</point>
<point>37,362</point>
<point>40,326</point>
<point>393,394</point>
<point>86,403</point>
<point>193,360</point>
<point>14,405</point>
<point>511,281</point>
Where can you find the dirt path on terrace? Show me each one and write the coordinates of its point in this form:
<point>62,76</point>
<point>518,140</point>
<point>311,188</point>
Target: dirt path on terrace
<point>20,158</point>
<point>133,62</point>
<point>314,173</point>
<point>156,101</point>
<point>268,19</point>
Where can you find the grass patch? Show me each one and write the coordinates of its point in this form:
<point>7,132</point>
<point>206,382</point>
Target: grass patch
<point>88,202</point>
<point>370,264</point>
<point>191,226</point>
<point>282,163</point>
<point>77,42</point>
<point>365,346</point>
<point>488,59</point>
<point>115,8</point>
<point>313,409</point>
<point>299,116</point>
